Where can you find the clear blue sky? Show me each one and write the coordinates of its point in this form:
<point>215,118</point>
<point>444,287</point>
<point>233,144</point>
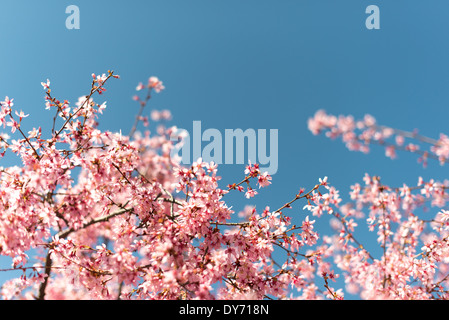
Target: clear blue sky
<point>245,64</point>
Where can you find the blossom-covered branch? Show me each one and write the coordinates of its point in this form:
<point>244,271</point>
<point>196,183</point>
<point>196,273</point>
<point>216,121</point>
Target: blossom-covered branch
<point>131,222</point>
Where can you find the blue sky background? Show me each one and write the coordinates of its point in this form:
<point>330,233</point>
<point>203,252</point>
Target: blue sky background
<point>244,64</point>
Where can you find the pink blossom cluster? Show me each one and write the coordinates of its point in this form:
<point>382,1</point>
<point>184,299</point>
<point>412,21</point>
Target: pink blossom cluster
<point>132,223</point>
<point>410,222</point>
<point>153,83</point>
<point>358,135</point>
<point>413,262</point>
<point>157,115</point>
<point>112,216</point>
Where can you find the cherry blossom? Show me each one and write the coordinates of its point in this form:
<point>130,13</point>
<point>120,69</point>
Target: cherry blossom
<point>95,214</point>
